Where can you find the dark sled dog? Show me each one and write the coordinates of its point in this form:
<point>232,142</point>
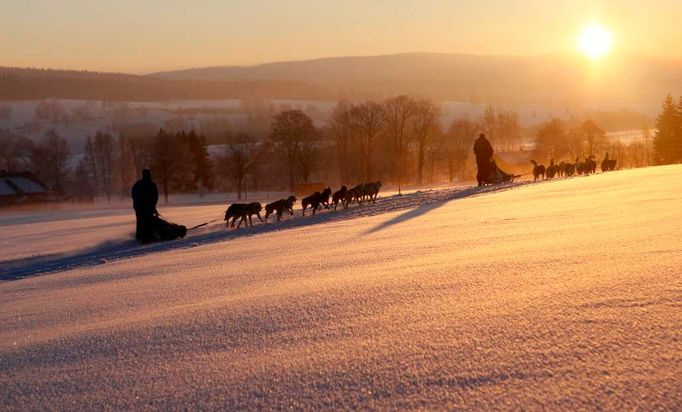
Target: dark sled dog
<point>586,167</point>
<point>234,212</point>
<point>355,194</point>
<point>339,196</point>
<point>538,170</point>
<point>351,195</point>
<point>279,207</point>
<point>253,208</point>
<point>316,200</point>
<point>552,169</point>
<point>243,212</point>
<point>371,190</point>
<point>608,165</point>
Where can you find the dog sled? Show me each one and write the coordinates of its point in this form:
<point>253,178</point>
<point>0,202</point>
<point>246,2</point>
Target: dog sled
<point>163,230</point>
<point>498,176</point>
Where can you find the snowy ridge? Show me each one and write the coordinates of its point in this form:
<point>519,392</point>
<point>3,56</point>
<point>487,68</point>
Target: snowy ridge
<point>420,201</point>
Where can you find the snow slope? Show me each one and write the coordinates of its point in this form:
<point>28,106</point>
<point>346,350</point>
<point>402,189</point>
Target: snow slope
<point>559,295</point>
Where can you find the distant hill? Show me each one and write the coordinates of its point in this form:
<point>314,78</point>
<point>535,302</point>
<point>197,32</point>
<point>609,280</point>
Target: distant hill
<point>32,84</point>
<point>471,78</point>
<point>536,80</point>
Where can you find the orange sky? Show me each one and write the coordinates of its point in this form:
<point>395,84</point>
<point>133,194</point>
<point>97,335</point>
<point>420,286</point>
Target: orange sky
<point>151,35</point>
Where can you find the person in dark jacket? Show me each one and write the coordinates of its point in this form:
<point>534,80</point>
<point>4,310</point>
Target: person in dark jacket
<point>484,158</point>
<point>145,196</point>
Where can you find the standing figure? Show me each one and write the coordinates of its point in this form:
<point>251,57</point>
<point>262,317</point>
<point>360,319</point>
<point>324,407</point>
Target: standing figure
<point>145,196</point>
<point>484,158</point>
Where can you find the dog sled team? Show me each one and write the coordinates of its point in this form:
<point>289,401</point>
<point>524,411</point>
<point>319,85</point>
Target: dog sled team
<point>565,169</point>
<point>364,192</point>
<point>152,227</point>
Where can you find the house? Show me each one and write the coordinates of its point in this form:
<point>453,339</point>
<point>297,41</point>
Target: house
<point>21,188</point>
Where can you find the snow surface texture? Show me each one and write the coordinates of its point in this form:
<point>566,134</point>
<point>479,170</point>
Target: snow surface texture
<point>558,295</point>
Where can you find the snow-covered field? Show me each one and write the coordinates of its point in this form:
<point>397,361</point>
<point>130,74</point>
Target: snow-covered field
<point>559,295</point>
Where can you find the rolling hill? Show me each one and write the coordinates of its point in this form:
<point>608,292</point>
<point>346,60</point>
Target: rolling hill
<point>472,78</point>
<point>537,80</point>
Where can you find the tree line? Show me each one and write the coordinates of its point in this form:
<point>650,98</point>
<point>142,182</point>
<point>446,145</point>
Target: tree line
<point>555,139</point>
<point>34,84</point>
<point>399,140</point>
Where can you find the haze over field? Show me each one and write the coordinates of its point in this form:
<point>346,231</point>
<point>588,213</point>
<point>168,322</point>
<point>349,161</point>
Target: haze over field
<point>561,295</point>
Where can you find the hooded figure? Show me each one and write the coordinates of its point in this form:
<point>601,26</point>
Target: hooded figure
<point>145,195</point>
<point>484,159</point>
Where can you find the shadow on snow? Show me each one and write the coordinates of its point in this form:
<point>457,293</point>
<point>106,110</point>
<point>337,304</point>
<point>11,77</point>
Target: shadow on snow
<point>419,203</point>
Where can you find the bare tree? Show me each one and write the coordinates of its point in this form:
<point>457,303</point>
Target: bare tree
<point>508,129</point>
<point>97,167</point>
<point>87,170</point>
<point>426,126</point>
<point>15,151</point>
<point>241,156</point>
<point>169,163</point>
<point>125,162</point>
<point>593,137</point>
<point>501,127</point>
<point>295,138</point>
<point>307,153</point>
<point>341,131</point>
<point>399,113</point>
<point>104,159</point>
<point>368,122</point>
<point>550,140</point>
<point>489,123</point>
<point>50,159</point>
<point>457,143</point>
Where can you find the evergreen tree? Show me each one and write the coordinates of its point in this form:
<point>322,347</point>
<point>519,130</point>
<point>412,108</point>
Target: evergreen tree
<point>668,138</point>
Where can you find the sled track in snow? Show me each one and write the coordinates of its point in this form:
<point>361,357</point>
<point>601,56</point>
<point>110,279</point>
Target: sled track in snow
<point>418,202</point>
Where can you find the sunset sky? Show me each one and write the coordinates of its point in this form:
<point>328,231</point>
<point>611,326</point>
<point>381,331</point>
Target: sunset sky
<point>145,36</point>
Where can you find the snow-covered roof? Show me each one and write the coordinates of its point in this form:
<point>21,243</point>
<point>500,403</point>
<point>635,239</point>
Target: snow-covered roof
<point>5,189</point>
<point>28,186</point>
<point>19,184</point>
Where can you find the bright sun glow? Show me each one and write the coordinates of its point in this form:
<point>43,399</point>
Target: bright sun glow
<point>595,41</point>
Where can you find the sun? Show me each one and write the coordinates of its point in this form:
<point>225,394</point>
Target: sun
<point>595,41</point>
